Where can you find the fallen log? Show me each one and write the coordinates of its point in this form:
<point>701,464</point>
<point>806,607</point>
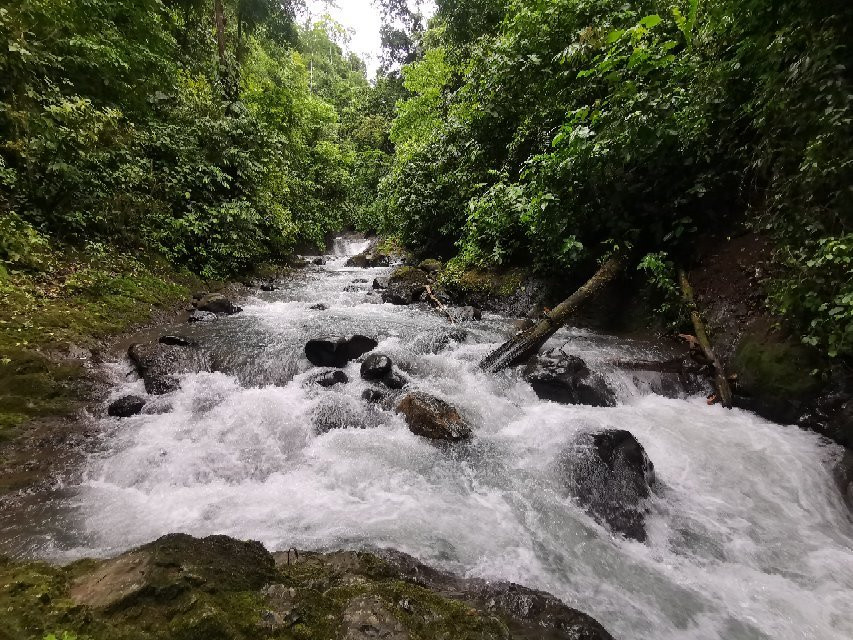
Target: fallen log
<point>525,344</point>
<point>720,380</point>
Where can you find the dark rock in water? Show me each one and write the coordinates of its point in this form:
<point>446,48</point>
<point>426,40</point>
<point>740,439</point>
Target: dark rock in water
<point>844,477</point>
<point>433,418</point>
<point>467,314</point>
<point>368,259</point>
<point>177,341</point>
<point>351,288</point>
<point>198,295</point>
<point>126,407</point>
<point>394,380</point>
<point>201,316</point>
<point>566,379</point>
<point>375,366</point>
<point>319,261</point>
<point>217,303</point>
<point>373,395</point>
<point>380,283</point>
<point>405,286</point>
<point>360,281</point>
<point>329,378</point>
<point>319,307</point>
<point>268,287</point>
<point>430,265</point>
<point>158,364</point>
<point>336,352</point>
<point>611,476</point>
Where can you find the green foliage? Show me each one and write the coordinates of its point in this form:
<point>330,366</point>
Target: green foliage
<point>661,274</point>
<point>569,126</point>
<point>119,123</point>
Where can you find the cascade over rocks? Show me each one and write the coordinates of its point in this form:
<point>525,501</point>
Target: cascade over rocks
<point>337,351</point>
<point>611,476</point>
<point>217,303</point>
<point>559,377</point>
<point>433,418</point>
<point>159,364</point>
<point>126,407</point>
<point>405,286</point>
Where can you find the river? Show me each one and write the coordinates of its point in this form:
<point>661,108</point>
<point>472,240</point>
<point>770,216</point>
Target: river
<point>748,536</point>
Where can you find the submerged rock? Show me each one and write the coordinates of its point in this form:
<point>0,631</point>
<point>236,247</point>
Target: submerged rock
<point>126,407</point>
<point>394,380</point>
<point>337,351</point>
<point>217,303</point>
<point>268,287</point>
<point>372,396</point>
<point>467,314</point>
<point>177,341</point>
<point>566,379</point>
<point>380,283</point>
<point>433,418</point>
<point>201,316</point>
<point>319,261</point>
<point>611,476</point>
<point>319,307</point>
<point>375,367</point>
<point>329,378</point>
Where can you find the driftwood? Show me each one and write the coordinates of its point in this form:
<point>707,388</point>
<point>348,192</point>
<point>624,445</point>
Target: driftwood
<point>722,383</point>
<point>438,304</point>
<point>525,344</point>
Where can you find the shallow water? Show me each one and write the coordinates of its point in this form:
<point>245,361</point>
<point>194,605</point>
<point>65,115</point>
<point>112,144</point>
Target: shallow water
<point>748,538</point>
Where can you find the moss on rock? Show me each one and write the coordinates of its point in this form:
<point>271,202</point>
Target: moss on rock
<point>217,588</point>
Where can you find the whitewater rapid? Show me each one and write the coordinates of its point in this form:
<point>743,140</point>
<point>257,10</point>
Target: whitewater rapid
<point>748,537</point>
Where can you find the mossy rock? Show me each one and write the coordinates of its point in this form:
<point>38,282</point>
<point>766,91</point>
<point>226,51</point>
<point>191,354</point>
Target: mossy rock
<point>408,276</point>
<point>217,588</point>
<point>431,265</point>
<point>768,366</point>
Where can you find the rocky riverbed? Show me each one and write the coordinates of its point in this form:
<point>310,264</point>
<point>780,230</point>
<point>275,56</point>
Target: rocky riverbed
<point>342,409</point>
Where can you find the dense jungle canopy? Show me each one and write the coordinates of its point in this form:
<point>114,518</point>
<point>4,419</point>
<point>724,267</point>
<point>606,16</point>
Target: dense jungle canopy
<point>547,134</point>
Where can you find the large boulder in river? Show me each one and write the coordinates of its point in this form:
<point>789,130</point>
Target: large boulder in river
<point>611,476</point>
<point>405,286</point>
<point>217,303</point>
<point>337,351</point>
<point>566,379</point>
<point>159,364</point>
<point>433,418</point>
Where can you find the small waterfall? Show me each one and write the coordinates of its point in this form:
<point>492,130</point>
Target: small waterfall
<point>343,246</point>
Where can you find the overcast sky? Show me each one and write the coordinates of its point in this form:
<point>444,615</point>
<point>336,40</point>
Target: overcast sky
<point>362,18</point>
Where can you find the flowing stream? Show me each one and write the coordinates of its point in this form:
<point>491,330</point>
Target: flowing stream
<point>748,537</point>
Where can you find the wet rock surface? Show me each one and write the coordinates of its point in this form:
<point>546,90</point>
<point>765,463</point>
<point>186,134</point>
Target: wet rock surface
<point>337,351</point>
<point>560,377</point>
<point>433,418</point>
<point>217,303</point>
<point>405,286</point>
<point>159,364</point>
<point>329,378</point>
<point>126,407</point>
<point>375,367</point>
<point>610,475</point>
<point>180,587</point>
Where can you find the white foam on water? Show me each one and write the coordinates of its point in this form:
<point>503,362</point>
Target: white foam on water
<point>748,537</point>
